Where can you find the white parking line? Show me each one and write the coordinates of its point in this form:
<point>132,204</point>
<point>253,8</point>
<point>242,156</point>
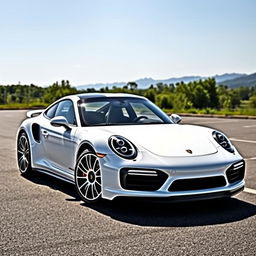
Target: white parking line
<point>249,126</point>
<point>217,121</point>
<point>247,141</point>
<point>250,158</point>
<point>250,190</point>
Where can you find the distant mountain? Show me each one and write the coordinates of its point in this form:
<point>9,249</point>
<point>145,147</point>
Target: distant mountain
<point>228,76</point>
<point>101,85</point>
<point>245,80</point>
<point>144,83</point>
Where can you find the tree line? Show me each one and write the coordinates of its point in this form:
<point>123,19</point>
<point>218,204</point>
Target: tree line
<point>201,94</point>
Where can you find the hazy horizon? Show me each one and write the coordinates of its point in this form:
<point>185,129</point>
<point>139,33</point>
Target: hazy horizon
<point>118,41</point>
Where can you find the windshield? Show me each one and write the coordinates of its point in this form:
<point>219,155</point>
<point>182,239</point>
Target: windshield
<point>120,111</point>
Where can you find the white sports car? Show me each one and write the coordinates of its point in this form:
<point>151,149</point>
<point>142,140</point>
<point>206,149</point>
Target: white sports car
<point>122,145</point>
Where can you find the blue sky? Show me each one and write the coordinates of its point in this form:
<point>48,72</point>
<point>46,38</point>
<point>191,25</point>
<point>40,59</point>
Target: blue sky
<point>42,41</point>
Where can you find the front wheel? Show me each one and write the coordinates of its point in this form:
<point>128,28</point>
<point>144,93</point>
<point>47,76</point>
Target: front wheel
<point>23,154</point>
<point>88,177</point>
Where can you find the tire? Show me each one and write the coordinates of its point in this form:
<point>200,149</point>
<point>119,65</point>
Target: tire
<point>23,154</point>
<point>88,177</point>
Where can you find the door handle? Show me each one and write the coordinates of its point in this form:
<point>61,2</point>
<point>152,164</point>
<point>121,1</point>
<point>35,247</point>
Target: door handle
<point>45,133</point>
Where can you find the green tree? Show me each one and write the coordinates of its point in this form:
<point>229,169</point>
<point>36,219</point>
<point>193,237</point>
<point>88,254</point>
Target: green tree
<point>201,97</point>
<point>132,85</point>
<point>150,94</point>
<point>164,101</point>
<point>210,86</point>
<point>253,101</point>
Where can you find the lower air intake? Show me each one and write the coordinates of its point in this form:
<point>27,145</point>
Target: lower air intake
<point>197,183</point>
<point>236,172</point>
<point>141,179</point>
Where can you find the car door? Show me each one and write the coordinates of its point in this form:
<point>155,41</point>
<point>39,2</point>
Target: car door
<point>58,141</point>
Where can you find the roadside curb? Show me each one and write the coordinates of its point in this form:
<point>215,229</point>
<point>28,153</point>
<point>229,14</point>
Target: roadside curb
<point>217,116</point>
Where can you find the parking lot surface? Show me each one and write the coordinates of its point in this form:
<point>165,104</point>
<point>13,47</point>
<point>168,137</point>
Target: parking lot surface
<point>44,216</point>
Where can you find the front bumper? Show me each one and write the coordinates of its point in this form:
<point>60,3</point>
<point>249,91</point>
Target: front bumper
<point>215,165</point>
<point>182,196</point>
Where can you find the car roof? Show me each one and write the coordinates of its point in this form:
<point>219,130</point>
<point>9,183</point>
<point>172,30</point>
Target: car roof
<point>106,95</point>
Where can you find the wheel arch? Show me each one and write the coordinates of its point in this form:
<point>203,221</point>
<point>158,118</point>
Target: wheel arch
<point>21,130</point>
<point>86,145</point>
<point>30,141</point>
<point>25,130</point>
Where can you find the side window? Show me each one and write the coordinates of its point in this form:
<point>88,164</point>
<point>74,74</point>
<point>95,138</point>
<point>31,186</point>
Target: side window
<point>125,113</point>
<point>51,111</point>
<point>65,108</point>
<point>94,112</point>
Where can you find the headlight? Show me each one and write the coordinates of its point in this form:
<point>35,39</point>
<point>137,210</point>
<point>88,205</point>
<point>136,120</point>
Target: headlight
<point>122,147</point>
<point>223,141</point>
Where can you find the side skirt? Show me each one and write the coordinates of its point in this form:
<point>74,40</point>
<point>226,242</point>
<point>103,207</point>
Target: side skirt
<point>55,175</point>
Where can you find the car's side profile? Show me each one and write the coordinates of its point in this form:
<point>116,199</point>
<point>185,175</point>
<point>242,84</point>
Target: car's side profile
<point>114,145</point>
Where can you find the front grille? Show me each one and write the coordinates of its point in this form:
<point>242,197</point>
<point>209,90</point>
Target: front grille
<point>236,172</point>
<point>197,183</point>
<point>142,179</point>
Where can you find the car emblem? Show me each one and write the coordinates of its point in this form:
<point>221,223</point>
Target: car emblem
<point>189,151</point>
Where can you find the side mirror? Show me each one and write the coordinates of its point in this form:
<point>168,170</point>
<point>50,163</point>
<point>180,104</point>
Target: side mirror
<point>60,121</point>
<point>175,118</point>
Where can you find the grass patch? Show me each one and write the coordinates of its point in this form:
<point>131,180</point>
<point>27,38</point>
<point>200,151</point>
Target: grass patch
<point>23,105</point>
<point>225,112</point>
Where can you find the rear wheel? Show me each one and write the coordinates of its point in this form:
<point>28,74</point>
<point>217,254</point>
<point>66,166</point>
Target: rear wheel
<point>88,177</point>
<point>23,154</point>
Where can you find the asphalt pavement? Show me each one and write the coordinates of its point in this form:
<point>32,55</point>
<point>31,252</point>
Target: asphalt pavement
<point>44,216</point>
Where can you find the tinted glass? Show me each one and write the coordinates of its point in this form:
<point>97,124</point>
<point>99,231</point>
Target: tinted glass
<point>66,109</point>
<point>116,111</point>
<point>51,111</point>
<point>142,110</point>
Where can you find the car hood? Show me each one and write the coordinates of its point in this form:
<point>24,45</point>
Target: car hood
<point>168,139</point>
